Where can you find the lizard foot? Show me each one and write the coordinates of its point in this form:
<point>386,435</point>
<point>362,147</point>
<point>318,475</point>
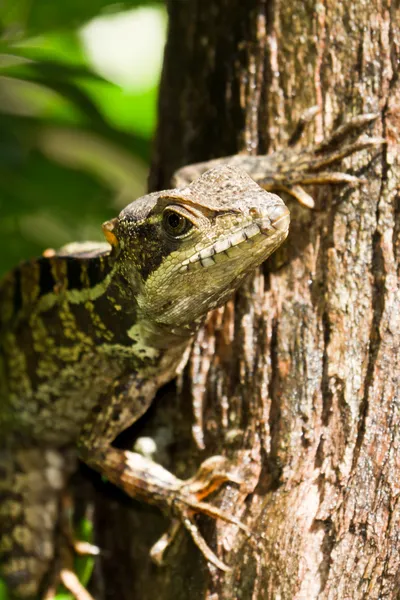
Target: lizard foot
<point>68,547</point>
<point>71,582</point>
<point>290,169</point>
<point>211,475</point>
<point>295,168</point>
<point>63,572</point>
<point>145,480</point>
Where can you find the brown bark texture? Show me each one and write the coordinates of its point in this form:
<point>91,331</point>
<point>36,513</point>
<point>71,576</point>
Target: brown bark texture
<point>297,377</point>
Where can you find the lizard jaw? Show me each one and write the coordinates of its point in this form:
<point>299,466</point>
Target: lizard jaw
<point>277,220</point>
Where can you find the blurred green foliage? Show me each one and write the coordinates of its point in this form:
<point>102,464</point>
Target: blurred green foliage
<point>74,146</point>
<point>37,16</point>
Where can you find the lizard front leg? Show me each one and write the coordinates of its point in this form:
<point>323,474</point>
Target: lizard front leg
<point>291,169</point>
<point>145,480</point>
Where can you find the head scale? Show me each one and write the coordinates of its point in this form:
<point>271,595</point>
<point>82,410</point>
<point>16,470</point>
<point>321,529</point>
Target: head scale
<point>182,252</point>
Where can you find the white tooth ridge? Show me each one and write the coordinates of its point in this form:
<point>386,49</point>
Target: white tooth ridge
<point>252,230</point>
<point>222,245</point>
<point>207,262</point>
<point>237,238</point>
<point>194,258</point>
<point>207,252</point>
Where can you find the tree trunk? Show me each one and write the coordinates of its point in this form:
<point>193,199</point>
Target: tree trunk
<point>299,375</point>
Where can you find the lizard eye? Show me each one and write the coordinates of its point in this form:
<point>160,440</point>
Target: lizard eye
<point>175,224</point>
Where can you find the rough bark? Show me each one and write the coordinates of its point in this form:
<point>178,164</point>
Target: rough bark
<point>299,375</point>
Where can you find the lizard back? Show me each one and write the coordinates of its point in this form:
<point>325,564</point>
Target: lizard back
<point>56,352</point>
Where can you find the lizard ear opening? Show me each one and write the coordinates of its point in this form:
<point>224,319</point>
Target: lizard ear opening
<point>108,230</point>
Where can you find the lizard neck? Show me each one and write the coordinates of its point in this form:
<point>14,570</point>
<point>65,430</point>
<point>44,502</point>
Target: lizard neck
<point>132,325</point>
<point>83,299</point>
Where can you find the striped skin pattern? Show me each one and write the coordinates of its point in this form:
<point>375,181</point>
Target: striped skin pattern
<point>44,336</point>
<point>89,333</point>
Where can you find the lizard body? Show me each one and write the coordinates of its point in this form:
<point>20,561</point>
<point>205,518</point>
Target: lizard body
<point>89,333</point>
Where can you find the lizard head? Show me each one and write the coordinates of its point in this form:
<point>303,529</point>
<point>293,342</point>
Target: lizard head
<point>183,252</point>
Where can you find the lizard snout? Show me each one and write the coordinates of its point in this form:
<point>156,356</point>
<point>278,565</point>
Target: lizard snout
<point>280,217</point>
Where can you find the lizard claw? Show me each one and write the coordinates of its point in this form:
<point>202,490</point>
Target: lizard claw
<point>212,473</point>
<point>69,546</point>
<point>290,169</point>
<point>305,118</point>
<point>141,478</point>
<point>157,552</point>
<point>353,127</point>
<point>293,169</point>
<point>71,582</point>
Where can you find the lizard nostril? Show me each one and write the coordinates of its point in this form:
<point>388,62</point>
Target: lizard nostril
<point>280,217</point>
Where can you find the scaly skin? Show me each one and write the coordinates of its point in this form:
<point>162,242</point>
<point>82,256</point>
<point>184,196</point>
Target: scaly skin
<point>88,335</point>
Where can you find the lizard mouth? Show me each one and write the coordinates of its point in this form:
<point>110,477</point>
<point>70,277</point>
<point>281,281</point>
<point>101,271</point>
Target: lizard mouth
<point>276,222</point>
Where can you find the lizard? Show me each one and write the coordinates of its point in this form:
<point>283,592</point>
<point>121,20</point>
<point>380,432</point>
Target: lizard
<point>89,333</point>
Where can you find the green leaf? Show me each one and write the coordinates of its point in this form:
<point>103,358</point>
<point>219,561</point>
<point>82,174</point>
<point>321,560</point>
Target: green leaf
<point>135,112</point>
<point>3,590</point>
<point>32,17</point>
